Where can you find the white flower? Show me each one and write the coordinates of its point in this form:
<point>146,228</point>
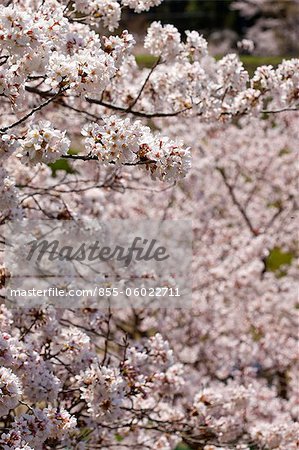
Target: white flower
<point>13,441</point>
<point>10,390</point>
<point>162,444</point>
<point>39,381</point>
<point>34,428</point>
<point>17,30</point>
<point>121,141</point>
<point>170,160</point>
<point>196,45</point>
<point>87,71</point>
<point>61,421</point>
<point>160,351</point>
<point>246,101</point>
<point>8,196</point>
<point>163,41</point>
<point>141,5</point>
<point>119,47</point>
<point>246,44</point>
<point>106,11</point>
<point>265,77</point>
<point>8,350</point>
<point>43,143</point>
<point>103,389</point>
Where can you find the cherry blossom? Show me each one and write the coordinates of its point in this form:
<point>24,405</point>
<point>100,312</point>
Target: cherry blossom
<point>42,143</point>
<point>11,390</point>
<point>85,133</point>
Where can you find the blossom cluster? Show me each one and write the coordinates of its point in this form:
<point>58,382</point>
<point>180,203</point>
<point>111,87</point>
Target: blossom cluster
<point>42,143</point>
<point>141,5</point>
<point>48,46</point>
<point>108,12</point>
<point>119,141</point>
<point>187,80</point>
<point>220,375</point>
<point>8,196</point>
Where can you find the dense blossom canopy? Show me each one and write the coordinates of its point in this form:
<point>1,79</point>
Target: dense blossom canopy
<point>222,375</point>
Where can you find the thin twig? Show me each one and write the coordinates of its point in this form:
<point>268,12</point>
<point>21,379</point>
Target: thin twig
<point>144,84</point>
<point>95,158</point>
<point>277,111</point>
<point>44,94</point>
<point>34,110</point>
<point>134,112</point>
<point>236,201</point>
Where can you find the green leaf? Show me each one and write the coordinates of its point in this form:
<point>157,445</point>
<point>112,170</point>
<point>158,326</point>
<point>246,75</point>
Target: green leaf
<point>61,164</point>
<point>250,62</point>
<point>256,334</point>
<point>182,446</point>
<point>73,151</point>
<point>146,60</point>
<point>276,259</point>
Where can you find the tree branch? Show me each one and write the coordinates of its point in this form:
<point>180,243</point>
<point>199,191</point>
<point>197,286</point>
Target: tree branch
<point>236,201</point>
<point>34,110</point>
<point>276,111</point>
<point>144,84</point>
<point>95,158</point>
<point>134,112</point>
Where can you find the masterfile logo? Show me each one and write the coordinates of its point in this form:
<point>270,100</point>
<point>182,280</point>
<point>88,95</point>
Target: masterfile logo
<point>117,261</point>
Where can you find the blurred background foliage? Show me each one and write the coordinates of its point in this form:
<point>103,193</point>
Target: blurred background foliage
<point>251,62</point>
<point>223,24</point>
<point>204,15</point>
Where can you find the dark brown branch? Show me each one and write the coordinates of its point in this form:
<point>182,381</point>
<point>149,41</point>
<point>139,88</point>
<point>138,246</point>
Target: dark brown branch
<point>82,157</point>
<point>236,201</point>
<point>277,111</point>
<point>34,110</point>
<point>134,112</point>
<point>274,217</point>
<point>44,94</point>
<point>35,90</point>
<point>95,158</point>
<point>80,111</point>
<point>144,84</point>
